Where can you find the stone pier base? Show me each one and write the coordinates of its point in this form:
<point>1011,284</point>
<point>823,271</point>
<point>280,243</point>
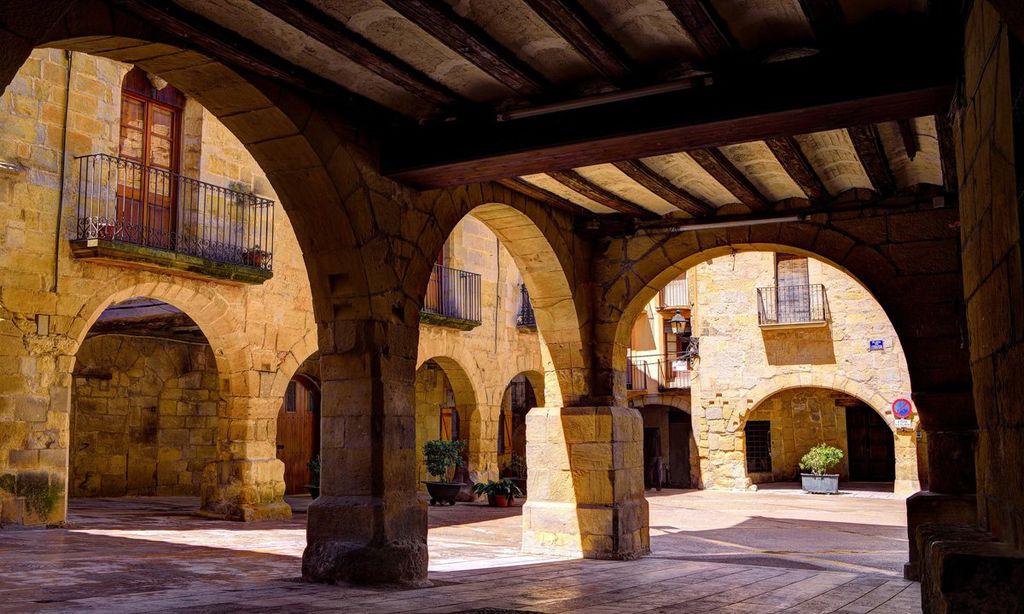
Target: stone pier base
<point>586,492</point>
<point>246,490</point>
<point>928,507</point>
<point>366,540</point>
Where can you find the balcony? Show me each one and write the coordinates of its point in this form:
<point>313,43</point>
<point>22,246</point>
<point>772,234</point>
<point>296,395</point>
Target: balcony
<point>525,319</point>
<point>453,299</point>
<point>136,215</point>
<point>660,375</point>
<point>676,295</point>
<point>792,306</point>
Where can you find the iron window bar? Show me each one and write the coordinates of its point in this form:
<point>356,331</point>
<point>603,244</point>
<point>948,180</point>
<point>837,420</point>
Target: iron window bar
<point>453,293</point>
<point>798,304</point>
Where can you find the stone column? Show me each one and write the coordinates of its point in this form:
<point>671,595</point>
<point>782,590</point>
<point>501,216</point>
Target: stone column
<point>585,484</point>
<point>948,420</point>
<point>248,483</point>
<point>368,525</point>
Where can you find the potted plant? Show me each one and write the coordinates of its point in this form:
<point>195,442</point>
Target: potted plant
<point>499,493</point>
<point>255,257</point>
<point>442,457</point>
<point>314,473</point>
<point>516,471</point>
<point>818,460</point>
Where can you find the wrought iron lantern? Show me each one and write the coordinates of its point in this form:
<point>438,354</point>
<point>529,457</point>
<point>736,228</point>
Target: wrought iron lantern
<point>678,323</point>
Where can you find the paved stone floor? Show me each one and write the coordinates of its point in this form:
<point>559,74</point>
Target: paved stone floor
<point>713,552</point>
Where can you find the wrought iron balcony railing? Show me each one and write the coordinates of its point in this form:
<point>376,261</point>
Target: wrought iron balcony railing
<point>453,294</point>
<point>792,305</point>
<point>674,374</point>
<point>122,201</point>
<point>675,294</point>
<point>636,375</point>
<point>525,317</point>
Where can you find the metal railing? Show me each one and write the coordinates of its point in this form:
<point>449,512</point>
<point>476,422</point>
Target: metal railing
<point>124,201</point>
<point>675,294</point>
<point>525,317</point>
<point>636,375</point>
<point>673,374</point>
<point>452,293</point>
<point>792,305</point>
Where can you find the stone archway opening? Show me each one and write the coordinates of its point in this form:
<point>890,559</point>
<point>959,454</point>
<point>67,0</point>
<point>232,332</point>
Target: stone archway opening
<point>445,406</point>
<point>298,429</point>
<point>524,392</point>
<point>145,405</point>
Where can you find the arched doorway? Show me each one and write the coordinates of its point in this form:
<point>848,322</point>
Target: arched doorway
<point>298,430</point>
<point>144,405</point>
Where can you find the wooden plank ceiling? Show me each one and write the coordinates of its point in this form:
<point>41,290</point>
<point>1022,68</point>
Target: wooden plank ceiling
<point>462,71</point>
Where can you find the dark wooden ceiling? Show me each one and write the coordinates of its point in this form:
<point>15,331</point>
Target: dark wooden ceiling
<point>646,108</point>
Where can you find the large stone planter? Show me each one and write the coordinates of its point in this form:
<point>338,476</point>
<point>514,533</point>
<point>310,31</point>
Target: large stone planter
<point>443,492</point>
<point>827,484</point>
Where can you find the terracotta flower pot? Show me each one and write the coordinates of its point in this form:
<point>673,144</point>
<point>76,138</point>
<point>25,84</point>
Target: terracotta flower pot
<point>499,500</point>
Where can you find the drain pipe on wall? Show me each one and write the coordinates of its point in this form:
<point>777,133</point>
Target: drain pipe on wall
<point>68,55</point>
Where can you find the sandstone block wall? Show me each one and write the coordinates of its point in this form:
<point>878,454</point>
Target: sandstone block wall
<point>259,334</point>
<point>989,135</point>
<point>143,417</point>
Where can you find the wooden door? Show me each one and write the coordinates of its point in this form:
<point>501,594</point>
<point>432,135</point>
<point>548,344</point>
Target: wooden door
<point>298,427</point>
<point>869,443</point>
<point>792,286</point>
<point>149,140</point>
<point>678,449</point>
<point>652,450</point>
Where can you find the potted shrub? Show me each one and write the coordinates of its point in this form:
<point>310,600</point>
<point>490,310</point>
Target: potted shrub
<point>314,475</point>
<point>442,457</point>
<point>255,257</point>
<point>818,461</point>
<point>516,471</point>
<point>499,493</point>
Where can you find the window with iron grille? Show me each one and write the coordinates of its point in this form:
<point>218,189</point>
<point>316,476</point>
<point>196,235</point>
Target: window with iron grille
<point>759,446</point>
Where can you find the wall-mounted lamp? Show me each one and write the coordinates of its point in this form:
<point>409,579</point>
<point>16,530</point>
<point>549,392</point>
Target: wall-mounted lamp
<point>678,323</point>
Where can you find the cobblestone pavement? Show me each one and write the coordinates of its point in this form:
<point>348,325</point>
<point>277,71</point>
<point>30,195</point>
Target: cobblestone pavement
<point>713,552</point>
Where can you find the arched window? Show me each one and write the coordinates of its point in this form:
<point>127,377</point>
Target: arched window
<point>150,144</point>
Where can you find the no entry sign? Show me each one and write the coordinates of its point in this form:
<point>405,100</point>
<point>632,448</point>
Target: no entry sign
<point>901,408</point>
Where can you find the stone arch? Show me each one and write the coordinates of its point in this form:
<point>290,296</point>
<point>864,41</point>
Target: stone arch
<point>547,254</point>
<point>290,361</point>
<point>907,481</point>
<point>889,276</point>
<point>466,402</point>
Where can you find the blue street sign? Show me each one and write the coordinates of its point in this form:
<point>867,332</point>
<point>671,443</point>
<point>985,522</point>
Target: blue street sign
<point>876,344</point>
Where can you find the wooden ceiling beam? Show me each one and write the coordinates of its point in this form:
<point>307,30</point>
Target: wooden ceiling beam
<point>470,41</point>
<point>548,198</point>
<point>825,16</point>
<point>574,181</point>
<point>704,25</point>
<point>872,156</point>
<point>787,151</point>
<point>323,27</point>
<point>668,191</point>
<point>871,79</point>
<point>725,173</point>
<point>910,142</point>
<point>579,28</point>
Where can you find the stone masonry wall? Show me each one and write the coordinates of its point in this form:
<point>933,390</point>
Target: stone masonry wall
<point>801,419</point>
<point>742,364</point>
<point>989,134</point>
<point>259,334</point>
<point>144,417</point>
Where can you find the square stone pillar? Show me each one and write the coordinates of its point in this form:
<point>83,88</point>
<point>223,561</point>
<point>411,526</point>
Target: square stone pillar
<point>248,483</point>
<point>368,525</point>
<point>585,483</point>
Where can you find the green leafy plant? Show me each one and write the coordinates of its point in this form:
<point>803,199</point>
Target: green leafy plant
<point>516,467</point>
<point>442,457</point>
<point>314,470</point>
<point>821,458</point>
<point>505,487</point>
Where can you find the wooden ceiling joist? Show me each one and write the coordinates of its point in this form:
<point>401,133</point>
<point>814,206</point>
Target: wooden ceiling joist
<point>574,181</point>
<point>574,24</point>
<point>787,151</point>
<point>331,32</point>
<point>470,41</point>
<point>668,191</point>
<point>910,143</point>
<point>869,79</point>
<point>872,156</point>
<point>825,16</point>
<point>542,195</point>
<point>704,25</point>
<point>725,173</point>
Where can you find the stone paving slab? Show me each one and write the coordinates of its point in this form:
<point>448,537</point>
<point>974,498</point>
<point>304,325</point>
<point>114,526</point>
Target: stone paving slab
<point>754,553</point>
